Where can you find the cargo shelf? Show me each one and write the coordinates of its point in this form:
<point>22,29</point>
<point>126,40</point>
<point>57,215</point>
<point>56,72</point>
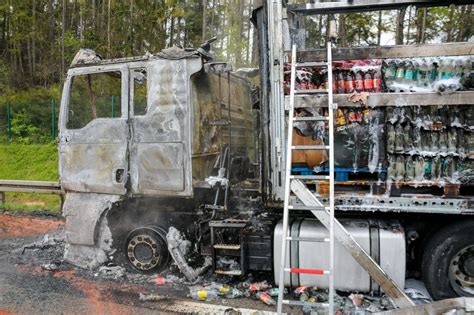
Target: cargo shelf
<point>380,52</point>
<point>388,99</point>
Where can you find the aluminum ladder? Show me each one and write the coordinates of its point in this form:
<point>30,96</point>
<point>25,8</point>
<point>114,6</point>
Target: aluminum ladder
<point>289,178</point>
<point>325,214</point>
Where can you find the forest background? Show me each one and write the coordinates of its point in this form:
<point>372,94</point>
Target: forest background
<point>39,38</point>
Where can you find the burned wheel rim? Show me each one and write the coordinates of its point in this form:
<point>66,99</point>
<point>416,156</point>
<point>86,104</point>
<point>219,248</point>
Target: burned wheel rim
<point>146,249</point>
<point>461,271</point>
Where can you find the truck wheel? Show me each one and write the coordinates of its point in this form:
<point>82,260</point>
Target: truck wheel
<point>448,262</point>
<point>146,249</point>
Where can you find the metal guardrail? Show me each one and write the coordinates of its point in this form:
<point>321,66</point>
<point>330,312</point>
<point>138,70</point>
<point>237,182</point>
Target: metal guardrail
<point>29,186</point>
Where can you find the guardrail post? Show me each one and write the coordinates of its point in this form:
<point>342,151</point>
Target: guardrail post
<point>2,197</point>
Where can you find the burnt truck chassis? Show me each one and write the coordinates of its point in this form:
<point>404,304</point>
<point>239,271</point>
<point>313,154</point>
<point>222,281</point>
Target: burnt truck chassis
<point>232,213</point>
<point>185,162</point>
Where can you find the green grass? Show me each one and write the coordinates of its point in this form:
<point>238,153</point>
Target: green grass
<point>30,162</point>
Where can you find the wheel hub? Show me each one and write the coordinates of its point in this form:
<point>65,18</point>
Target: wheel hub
<point>143,251</point>
<point>462,269</point>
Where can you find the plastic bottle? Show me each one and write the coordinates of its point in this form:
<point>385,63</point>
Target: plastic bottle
<point>400,76</point>
<point>410,169</point>
<point>428,65</point>
<point>422,70</point>
<point>368,82</point>
<point>258,286</point>
<point>341,82</point>
<point>458,67</point>
<point>391,170</point>
<point>162,280</point>
<point>234,293</point>
<point>409,70</point>
<point>400,168</point>
<point>334,81</point>
<point>416,70</point>
<point>204,295</point>
<point>377,80</point>
<point>273,292</point>
<point>391,139</point>
<point>222,289</point>
<point>390,73</point>
<point>443,141</point>
<point>419,169</point>
<point>349,82</point>
<point>399,148</point>
<point>407,138</point>
<point>434,70</point>
<point>359,81</point>
<point>265,298</point>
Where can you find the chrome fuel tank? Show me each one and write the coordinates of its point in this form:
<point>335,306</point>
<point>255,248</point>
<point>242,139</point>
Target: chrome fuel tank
<point>385,243</point>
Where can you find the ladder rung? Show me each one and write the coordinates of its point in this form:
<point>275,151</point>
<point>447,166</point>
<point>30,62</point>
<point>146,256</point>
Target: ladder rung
<point>315,177</point>
<point>311,118</point>
<point>308,239</point>
<point>312,91</point>
<point>311,64</point>
<point>308,271</point>
<point>309,304</point>
<point>310,147</point>
<point>310,208</point>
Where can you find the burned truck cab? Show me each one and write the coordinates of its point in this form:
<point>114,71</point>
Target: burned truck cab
<point>145,142</point>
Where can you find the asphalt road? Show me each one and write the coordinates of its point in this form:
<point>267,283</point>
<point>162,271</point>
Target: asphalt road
<point>26,287</point>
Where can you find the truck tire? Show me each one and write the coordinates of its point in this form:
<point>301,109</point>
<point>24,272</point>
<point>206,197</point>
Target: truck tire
<point>146,249</point>
<point>448,261</point>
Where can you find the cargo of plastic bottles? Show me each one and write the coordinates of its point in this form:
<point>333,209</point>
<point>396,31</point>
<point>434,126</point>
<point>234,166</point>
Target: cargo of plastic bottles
<point>440,74</point>
<point>436,74</point>
<point>430,143</point>
<point>410,144</point>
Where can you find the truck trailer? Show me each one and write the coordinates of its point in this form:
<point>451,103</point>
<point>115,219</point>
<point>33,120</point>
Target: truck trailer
<point>172,156</point>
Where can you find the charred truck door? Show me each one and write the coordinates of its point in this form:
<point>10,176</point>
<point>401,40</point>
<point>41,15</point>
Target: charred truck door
<point>94,130</point>
<point>160,146</point>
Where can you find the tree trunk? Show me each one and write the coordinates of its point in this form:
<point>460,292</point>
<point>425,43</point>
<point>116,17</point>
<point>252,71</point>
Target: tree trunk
<point>465,27</point>
<point>63,27</point>
<point>420,25</point>
<point>109,51</point>
<point>81,23</point>
<point>409,26</point>
<point>342,30</point>
<point>93,16</point>
<point>449,28</point>
<point>320,28</point>
<point>34,37</point>
<point>249,40</point>
<point>51,21</point>
<point>131,28</point>
<point>178,33</point>
<point>379,28</point>
<point>400,25</point>
<point>172,32</point>
<point>204,20</point>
